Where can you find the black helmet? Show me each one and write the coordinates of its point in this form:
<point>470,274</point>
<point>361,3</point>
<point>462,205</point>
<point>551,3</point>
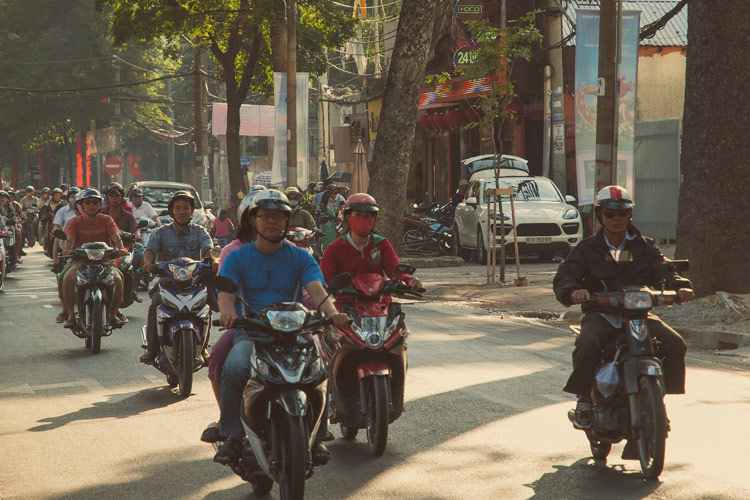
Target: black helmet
<point>181,195</point>
<point>115,186</point>
<point>136,192</point>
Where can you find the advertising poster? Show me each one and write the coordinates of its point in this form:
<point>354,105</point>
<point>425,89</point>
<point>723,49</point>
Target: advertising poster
<point>586,78</point>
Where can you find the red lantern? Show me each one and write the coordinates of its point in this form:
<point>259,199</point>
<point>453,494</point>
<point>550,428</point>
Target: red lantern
<point>439,121</point>
<point>474,115</point>
<point>455,118</point>
<point>426,122</point>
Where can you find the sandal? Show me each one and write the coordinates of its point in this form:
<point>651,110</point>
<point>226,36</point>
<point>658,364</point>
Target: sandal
<point>62,316</point>
<point>148,357</point>
<point>70,323</point>
<point>230,451</point>
<point>212,434</point>
<point>320,453</point>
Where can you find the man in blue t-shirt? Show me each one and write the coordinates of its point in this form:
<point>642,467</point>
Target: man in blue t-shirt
<point>268,270</point>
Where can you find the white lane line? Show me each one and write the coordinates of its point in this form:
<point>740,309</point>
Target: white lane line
<point>47,306</point>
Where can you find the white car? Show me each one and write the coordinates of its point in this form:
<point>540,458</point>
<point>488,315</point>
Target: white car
<point>546,223</point>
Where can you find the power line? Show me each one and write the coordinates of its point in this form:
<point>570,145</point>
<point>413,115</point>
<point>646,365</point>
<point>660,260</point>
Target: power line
<point>26,63</point>
<point>113,86</point>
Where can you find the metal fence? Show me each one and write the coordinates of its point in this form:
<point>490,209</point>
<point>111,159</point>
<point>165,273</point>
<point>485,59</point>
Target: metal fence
<point>657,177</point>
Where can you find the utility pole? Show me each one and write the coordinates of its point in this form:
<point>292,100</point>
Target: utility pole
<point>118,124</point>
<point>200,135</point>
<point>171,173</point>
<point>557,166</point>
<point>606,125</point>
<point>291,93</point>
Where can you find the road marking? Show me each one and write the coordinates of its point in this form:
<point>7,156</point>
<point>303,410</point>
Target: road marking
<point>90,384</point>
<point>47,306</point>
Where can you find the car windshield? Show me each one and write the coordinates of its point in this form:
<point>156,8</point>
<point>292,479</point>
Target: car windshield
<point>527,190</point>
<point>159,196</point>
<point>488,163</point>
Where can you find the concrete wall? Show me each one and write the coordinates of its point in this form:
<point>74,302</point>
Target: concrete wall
<point>661,83</point>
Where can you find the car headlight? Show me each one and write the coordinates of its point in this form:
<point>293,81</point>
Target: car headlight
<point>496,215</point>
<point>638,301</point>
<point>286,321</point>
<point>181,273</point>
<point>94,253</point>
<point>570,213</point>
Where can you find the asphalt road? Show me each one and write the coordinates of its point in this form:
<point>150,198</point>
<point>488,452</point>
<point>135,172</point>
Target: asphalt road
<point>485,418</point>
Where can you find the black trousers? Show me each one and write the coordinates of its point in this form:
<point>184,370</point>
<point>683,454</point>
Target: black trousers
<point>596,331</point>
<point>151,340</point>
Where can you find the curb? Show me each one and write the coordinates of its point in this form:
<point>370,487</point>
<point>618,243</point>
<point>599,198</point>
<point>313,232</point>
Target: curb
<point>444,261</point>
<point>713,339</point>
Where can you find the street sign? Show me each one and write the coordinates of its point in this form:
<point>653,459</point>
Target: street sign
<point>112,166</point>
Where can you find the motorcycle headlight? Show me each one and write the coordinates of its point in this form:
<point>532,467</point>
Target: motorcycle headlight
<point>261,367</point>
<point>570,213</point>
<point>372,330</point>
<point>181,273</point>
<point>286,321</point>
<point>638,301</point>
<point>94,253</point>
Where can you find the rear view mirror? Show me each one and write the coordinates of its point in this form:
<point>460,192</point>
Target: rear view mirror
<point>60,234</point>
<point>226,284</point>
<point>339,282</point>
<point>570,199</point>
<point>405,269</point>
<point>471,201</point>
<point>127,238</point>
<point>679,266</point>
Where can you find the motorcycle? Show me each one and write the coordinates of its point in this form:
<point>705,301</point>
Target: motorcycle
<point>3,256</point>
<point>628,396</point>
<point>127,265</point>
<point>28,225</point>
<point>183,320</point>
<point>94,290</point>
<point>306,239</point>
<point>9,242</point>
<point>428,228</point>
<point>367,361</point>
<point>285,396</point>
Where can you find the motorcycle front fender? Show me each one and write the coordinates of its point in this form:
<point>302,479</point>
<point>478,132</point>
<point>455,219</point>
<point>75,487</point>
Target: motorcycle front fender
<point>373,368</point>
<point>294,402</point>
<point>635,368</point>
<point>184,324</point>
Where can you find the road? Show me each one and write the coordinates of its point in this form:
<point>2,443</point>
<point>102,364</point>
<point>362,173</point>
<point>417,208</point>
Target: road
<point>484,419</point>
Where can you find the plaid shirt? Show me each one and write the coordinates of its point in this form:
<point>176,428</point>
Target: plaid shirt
<point>168,242</point>
<point>124,220</point>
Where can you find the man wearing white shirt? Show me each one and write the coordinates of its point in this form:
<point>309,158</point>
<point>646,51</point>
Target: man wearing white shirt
<point>142,208</point>
<point>63,215</point>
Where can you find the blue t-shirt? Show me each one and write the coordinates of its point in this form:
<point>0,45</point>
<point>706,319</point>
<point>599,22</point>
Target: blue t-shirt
<point>264,279</point>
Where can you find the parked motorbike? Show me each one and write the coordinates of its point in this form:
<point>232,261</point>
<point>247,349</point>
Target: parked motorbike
<point>428,228</point>
<point>285,396</point>
<point>94,290</point>
<point>367,361</point>
<point>183,320</point>
<point>628,398</point>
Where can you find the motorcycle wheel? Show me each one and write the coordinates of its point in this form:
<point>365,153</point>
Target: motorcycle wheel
<point>187,354</point>
<point>377,417</point>
<point>348,433</point>
<point>653,419</point>
<point>293,453</point>
<point>98,320</point>
<point>262,486</point>
<point>413,241</point>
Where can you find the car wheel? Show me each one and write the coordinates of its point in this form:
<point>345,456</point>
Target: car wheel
<point>481,251</point>
<point>458,250</point>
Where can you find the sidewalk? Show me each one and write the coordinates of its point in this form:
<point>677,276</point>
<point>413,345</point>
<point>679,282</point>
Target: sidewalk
<point>706,323</point>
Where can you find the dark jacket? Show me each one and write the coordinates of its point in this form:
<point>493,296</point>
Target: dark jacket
<point>590,265</point>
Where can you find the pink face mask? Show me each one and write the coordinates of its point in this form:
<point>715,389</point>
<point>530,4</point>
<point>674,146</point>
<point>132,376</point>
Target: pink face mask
<point>362,226</point>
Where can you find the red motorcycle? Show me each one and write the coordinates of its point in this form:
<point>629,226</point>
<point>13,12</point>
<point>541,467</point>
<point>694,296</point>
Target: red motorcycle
<point>367,361</point>
<point>306,239</point>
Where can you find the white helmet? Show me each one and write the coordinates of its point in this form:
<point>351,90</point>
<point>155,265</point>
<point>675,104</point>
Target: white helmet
<point>614,197</point>
<point>246,201</point>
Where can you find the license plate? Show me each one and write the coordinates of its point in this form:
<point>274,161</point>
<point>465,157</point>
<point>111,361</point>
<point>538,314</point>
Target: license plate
<point>539,239</point>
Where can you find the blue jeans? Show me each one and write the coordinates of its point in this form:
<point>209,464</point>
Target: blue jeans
<point>223,241</point>
<point>234,376</point>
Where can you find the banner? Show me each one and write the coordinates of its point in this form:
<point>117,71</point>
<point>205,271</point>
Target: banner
<point>586,84</point>
<point>281,139</point>
<point>255,121</point>
<point>135,166</point>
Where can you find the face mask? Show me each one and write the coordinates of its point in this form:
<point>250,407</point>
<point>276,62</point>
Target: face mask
<point>71,200</point>
<point>294,203</point>
<point>362,226</point>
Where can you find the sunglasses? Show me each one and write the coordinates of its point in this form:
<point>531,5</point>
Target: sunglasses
<point>625,212</point>
<point>91,202</point>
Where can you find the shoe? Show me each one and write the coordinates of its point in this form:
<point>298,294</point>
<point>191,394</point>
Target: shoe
<point>148,357</point>
<point>23,254</point>
<point>212,434</point>
<point>320,453</point>
<point>630,452</point>
<point>328,437</point>
<point>230,451</point>
<point>583,415</point>
<point>62,316</point>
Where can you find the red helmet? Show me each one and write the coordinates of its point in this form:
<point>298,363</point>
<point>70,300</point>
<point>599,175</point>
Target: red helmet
<point>361,202</point>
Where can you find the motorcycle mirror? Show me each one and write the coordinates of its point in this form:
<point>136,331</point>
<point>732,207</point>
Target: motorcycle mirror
<point>142,223</point>
<point>60,234</point>
<point>339,282</point>
<point>226,284</point>
<point>164,212</point>
<point>405,269</point>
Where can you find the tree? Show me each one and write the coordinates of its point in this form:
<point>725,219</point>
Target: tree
<point>238,34</point>
<point>713,204</point>
<point>393,148</point>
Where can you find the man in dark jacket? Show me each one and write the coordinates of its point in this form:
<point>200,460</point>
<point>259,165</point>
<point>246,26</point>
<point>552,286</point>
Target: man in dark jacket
<point>615,257</point>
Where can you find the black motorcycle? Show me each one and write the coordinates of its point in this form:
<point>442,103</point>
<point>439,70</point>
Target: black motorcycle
<point>628,397</point>
<point>284,399</point>
<point>29,233</point>
<point>428,228</point>
<point>9,240</point>
<point>94,290</point>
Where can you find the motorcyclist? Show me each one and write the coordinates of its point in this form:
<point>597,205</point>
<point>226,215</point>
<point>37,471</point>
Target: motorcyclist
<point>615,257</point>
<point>30,206</point>
<point>300,217</point>
<point>90,227</point>
<point>50,200</point>
<point>64,213</point>
<point>117,210</point>
<point>359,250</point>
<point>16,209</point>
<point>142,208</point>
<point>268,270</point>
<point>180,238</point>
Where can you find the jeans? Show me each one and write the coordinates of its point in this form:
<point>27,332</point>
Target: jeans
<point>151,336</point>
<point>222,241</point>
<point>234,376</point>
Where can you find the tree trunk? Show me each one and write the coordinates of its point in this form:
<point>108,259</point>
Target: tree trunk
<point>236,183</point>
<point>395,141</point>
<point>714,202</point>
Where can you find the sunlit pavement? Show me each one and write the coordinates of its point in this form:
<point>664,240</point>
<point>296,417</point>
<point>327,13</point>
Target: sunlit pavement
<point>485,418</point>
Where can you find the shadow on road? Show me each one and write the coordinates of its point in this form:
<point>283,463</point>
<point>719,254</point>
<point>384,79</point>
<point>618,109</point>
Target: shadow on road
<point>586,478</point>
<point>124,405</point>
